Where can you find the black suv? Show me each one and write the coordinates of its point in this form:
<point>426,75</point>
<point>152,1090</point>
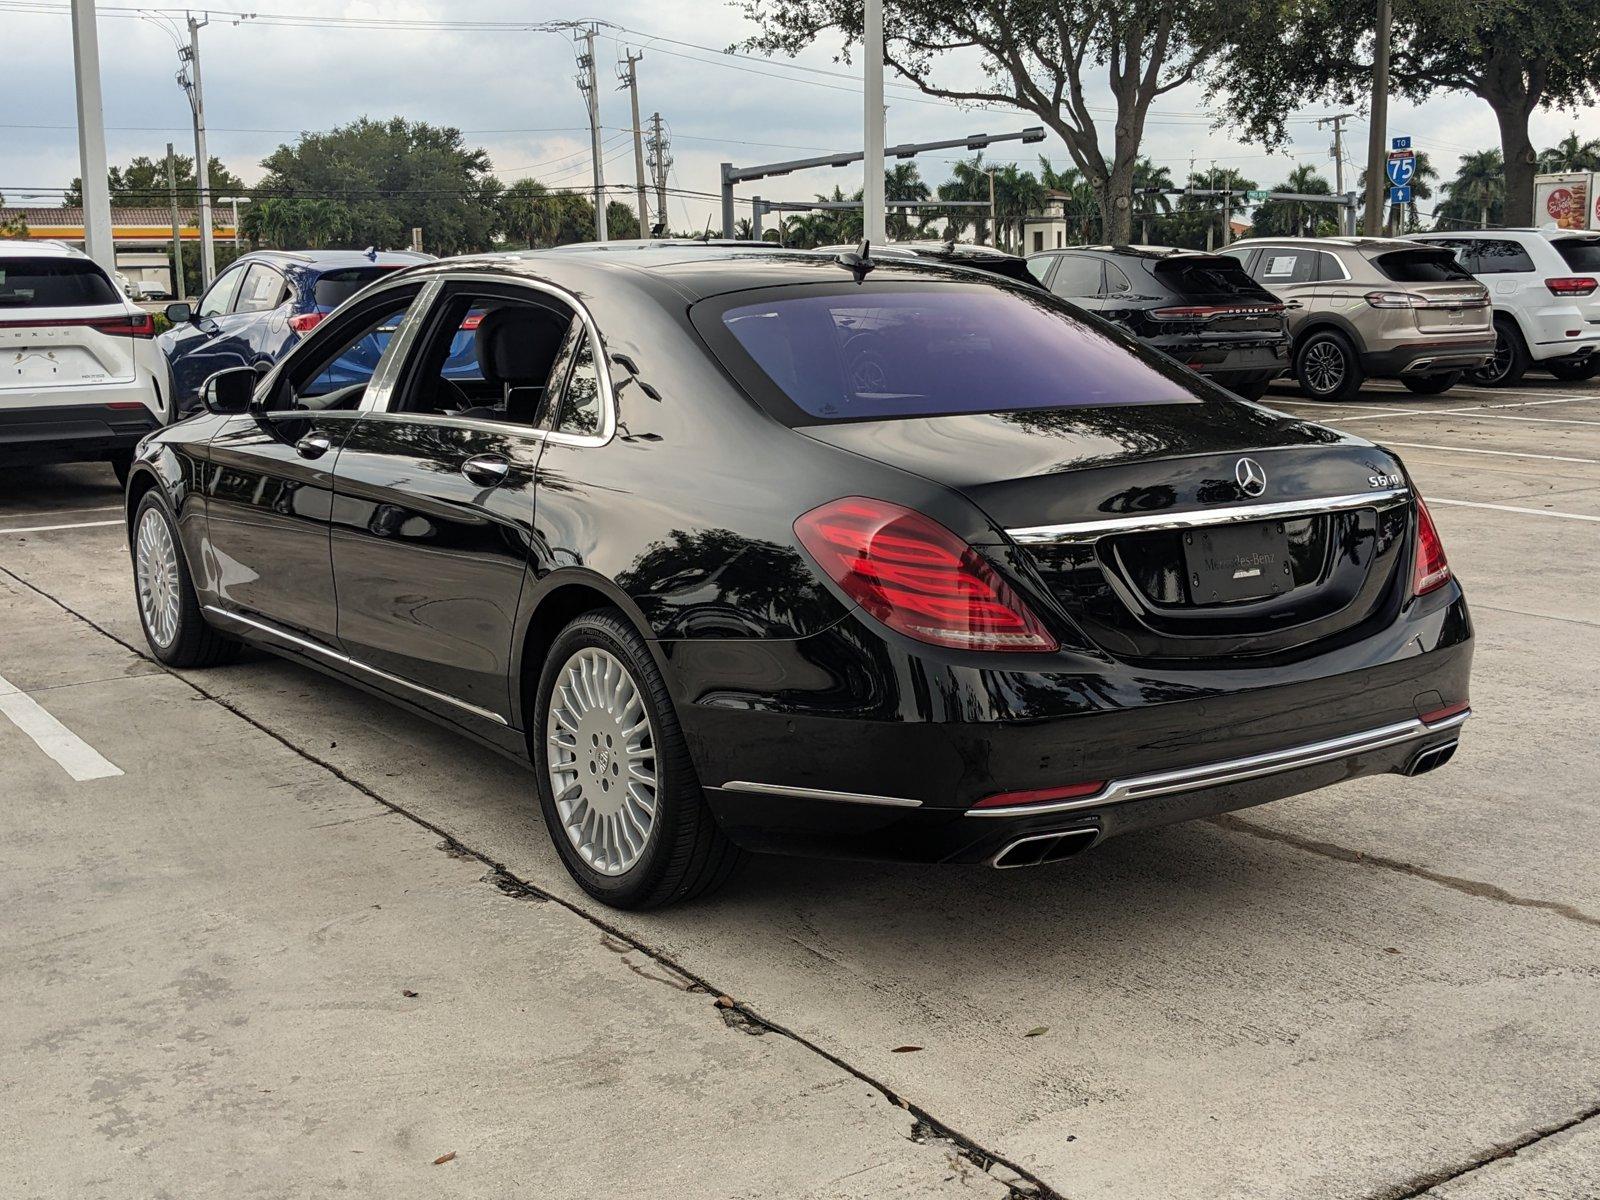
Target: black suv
<point>1201,309</point>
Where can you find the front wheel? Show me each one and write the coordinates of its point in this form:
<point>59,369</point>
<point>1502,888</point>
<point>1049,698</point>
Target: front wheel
<point>1432,385</point>
<point>618,791</point>
<point>1326,367</point>
<point>168,608</point>
<point>1575,372</point>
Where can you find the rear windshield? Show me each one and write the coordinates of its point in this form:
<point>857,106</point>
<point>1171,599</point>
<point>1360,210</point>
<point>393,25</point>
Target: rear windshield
<point>1582,254</point>
<point>54,283</point>
<point>911,350</point>
<point>1421,266</point>
<point>1210,277</point>
<point>333,288</point>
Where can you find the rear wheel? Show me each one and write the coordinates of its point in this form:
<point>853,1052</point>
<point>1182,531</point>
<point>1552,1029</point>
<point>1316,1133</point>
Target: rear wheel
<point>1510,361</point>
<point>1251,389</point>
<point>1432,385</point>
<point>1326,367</point>
<point>1575,372</point>
<point>618,791</point>
<point>168,608</point>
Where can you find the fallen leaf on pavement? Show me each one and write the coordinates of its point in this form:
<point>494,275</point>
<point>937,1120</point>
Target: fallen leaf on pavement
<point>1037,1030</point>
<point>444,1158</point>
<point>905,1049</point>
<point>408,993</point>
<point>724,1001</point>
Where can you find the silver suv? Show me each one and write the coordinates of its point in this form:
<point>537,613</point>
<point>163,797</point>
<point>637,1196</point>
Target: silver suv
<point>1545,286</point>
<point>1361,307</point>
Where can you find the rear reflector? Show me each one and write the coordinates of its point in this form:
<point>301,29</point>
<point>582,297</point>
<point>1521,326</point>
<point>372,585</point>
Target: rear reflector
<point>306,322</point>
<point>1440,714</point>
<point>917,577</point>
<point>1571,285</point>
<point>1073,791</point>
<point>1432,569</point>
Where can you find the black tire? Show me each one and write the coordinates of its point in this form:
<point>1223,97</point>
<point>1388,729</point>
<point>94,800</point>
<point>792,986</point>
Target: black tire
<point>1432,385</point>
<point>685,853</point>
<point>1327,368</point>
<point>195,643</point>
<point>1575,372</point>
<point>1250,389</point>
<point>1511,359</point>
<point>121,463</point>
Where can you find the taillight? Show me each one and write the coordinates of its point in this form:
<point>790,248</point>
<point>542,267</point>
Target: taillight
<point>917,577</point>
<point>1396,300</point>
<point>139,325</point>
<point>1204,312</point>
<point>1072,791</point>
<point>1432,570</point>
<point>306,322</point>
<point>1571,285</point>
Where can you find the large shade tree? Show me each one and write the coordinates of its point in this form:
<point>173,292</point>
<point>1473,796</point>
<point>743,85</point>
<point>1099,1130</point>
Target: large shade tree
<point>1048,59</point>
<point>143,182</point>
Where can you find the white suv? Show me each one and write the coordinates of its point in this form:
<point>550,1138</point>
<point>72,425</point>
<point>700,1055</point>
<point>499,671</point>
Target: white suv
<point>81,378</point>
<point>1545,288</point>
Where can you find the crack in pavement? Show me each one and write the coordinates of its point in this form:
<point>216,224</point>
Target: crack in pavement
<point>1470,887</point>
<point>1422,1185</point>
<point>1030,1188</point>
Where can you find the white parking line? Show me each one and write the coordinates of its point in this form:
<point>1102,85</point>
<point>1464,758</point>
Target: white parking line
<point>1470,412</point>
<point>74,755</point>
<point>47,528</point>
<point>1499,453</point>
<point>1512,508</point>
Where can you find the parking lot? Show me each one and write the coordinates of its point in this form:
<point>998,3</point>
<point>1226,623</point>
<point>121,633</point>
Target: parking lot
<point>271,936</point>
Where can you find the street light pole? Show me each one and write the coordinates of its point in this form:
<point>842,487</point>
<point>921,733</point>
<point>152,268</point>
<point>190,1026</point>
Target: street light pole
<point>177,228</point>
<point>97,241</point>
<point>1377,135</point>
<point>874,226</point>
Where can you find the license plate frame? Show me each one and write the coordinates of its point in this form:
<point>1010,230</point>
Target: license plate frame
<point>1231,564</point>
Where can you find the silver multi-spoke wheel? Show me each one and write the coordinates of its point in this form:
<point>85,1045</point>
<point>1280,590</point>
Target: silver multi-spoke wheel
<point>1324,367</point>
<point>156,576</point>
<point>601,760</point>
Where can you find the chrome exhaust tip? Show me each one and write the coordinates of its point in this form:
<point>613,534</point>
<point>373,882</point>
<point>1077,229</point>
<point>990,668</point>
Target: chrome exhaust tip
<point>1432,758</point>
<point>1039,848</point>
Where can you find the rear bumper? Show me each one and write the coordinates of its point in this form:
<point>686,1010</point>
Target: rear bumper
<point>1429,356</point>
<point>909,746</point>
<point>55,433</point>
<point>1247,355</point>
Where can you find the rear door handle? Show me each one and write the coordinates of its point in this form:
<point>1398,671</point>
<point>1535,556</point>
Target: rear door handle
<point>1293,304</point>
<point>313,445</point>
<point>486,470</point>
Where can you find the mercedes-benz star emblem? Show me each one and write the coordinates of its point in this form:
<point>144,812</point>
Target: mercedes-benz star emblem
<point>1252,479</point>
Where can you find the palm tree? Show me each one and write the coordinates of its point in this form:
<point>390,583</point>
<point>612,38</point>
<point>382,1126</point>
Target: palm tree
<point>1476,196</point>
<point>1079,205</point>
<point>1151,185</point>
<point>1298,218</point>
<point>744,230</point>
<point>1017,193</point>
<point>904,182</point>
<point>529,213</point>
<point>969,180</point>
<point>1569,154</point>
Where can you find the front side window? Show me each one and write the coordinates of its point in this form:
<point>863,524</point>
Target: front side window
<point>261,291</point>
<point>53,283</point>
<point>813,356</point>
<point>220,298</point>
<point>1286,266</point>
<point>334,368</point>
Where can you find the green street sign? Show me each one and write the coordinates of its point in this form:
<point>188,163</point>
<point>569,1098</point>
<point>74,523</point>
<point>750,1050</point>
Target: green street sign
<point>1256,197</point>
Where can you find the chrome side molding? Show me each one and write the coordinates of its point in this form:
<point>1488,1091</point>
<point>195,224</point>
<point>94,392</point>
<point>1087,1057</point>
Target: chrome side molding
<point>339,659</point>
<point>804,793</point>
<point>1235,770</point>
<point>1088,531</point>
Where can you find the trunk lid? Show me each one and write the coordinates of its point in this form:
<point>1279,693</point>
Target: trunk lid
<point>1212,294</point>
<point>55,311</point>
<point>1455,302</point>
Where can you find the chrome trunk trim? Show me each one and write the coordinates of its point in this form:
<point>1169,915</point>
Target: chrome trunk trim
<point>1088,531</point>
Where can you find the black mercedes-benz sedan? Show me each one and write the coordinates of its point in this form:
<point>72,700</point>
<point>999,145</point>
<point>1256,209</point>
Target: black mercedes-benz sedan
<point>748,549</point>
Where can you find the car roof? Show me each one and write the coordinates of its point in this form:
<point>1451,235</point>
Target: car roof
<point>39,248</point>
<point>331,259</point>
<point>1132,251</point>
<point>1373,245</point>
<point>1549,233</point>
<point>695,270</point>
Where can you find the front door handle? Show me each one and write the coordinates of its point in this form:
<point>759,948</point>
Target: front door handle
<point>486,470</point>
<point>313,445</point>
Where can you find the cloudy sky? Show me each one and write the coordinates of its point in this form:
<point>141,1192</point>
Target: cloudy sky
<point>513,93</point>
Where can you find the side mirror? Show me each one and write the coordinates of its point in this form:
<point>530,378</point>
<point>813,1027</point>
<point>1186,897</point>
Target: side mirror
<point>228,393</point>
<point>179,314</point>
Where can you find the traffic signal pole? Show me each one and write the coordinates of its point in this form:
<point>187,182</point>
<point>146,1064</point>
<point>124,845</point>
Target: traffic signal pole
<point>1377,133</point>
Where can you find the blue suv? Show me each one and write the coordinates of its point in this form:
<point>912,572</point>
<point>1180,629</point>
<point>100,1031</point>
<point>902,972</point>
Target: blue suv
<point>256,311</point>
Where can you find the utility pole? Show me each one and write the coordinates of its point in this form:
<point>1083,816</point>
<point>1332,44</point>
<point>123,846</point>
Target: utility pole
<point>1211,178</point>
<point>660,164</point>
<point>97,242</point>
<point>591,93</point>
<point>177,228</point>
<point>630,80</point>
<point>873,217</point>
<point>189,80</point>
<point>1337,121</point>
<point>1377,135</point>
<point>994,220</point>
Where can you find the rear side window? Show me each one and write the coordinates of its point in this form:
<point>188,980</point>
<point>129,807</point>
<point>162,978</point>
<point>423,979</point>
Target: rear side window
<point>1078,276</point>
<point>54,283</point>
<point>1217,276</point>
<point>1116,282</point>
<point>262,290</point>
<point>1039,267</point>
<point>1421,266</point>
<point>1500,256</point>
<point>918,351</point>
<point>333,288</point>
<point>1581,254</point>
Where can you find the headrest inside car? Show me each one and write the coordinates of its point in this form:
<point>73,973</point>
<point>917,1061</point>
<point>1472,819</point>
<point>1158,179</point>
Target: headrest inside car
<point>517,345</point>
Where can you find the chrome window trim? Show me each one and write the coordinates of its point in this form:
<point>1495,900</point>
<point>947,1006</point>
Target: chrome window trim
<point>1236,770</point>
<point>344,660</point>
<point>805,793</point>
<point>608,408</point>
<point>376,397</point>
<point>1088,531</point>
